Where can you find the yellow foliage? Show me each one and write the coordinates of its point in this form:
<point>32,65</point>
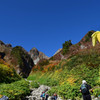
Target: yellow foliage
<point>16,94</point>
<point>56,71</point>
<point>49,67</point>
<point>59,70</point>
<point>95,37</point>
<point>12,74</point>
<point>6,70</point>
<point>71,80</point>
<point>61,83</point>
<point>1,96</point>
<point>42,75</point>
<point>5,67</point>
<point>10,91</point>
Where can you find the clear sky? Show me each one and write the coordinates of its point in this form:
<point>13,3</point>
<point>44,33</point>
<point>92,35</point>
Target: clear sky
<point>47,24</point>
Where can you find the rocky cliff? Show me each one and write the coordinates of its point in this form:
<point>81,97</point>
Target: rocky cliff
<point>37,55</point>
<point>17,57</point>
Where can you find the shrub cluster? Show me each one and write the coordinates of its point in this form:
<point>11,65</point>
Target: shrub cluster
<point>34,84</point>
<point>16,90</point>
<point>18,53</point>
<point>66,46</point>
<point>87,38</point>
<point>43,62</point>
<point>8,74</point>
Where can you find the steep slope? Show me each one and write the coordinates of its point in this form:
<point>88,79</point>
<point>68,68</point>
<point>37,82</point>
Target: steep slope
<point>85,43</point>
<point>67,74</point>
<point>22,61</point>
<point>81,61</point>
<point>17,57</point>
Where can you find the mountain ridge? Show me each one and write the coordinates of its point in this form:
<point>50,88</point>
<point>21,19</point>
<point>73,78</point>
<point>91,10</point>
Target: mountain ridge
<point>28,59</point>
<point>19,58</point>
<point>84,43</point>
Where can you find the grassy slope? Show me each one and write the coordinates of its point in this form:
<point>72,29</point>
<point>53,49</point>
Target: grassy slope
<point>65,77</point>
<point>11,84</point>
<point>15,90</point>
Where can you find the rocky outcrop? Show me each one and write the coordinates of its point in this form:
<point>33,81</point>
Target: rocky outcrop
<point>58,51</point>
<point>36,93</point>
<point>43,56</point>
<point>17,57</point>
<point>36,55</point>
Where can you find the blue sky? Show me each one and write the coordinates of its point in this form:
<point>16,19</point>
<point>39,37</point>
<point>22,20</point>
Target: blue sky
<point>47,24</point>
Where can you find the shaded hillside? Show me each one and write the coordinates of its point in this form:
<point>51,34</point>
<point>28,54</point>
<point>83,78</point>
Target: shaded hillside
<point>17,57</point>
<point>22,60</point>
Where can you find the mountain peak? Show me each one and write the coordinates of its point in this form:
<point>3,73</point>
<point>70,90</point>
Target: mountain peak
<point>37,55</point>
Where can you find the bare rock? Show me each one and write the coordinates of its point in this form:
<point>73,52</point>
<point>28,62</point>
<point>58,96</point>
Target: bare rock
<point>37,55</point>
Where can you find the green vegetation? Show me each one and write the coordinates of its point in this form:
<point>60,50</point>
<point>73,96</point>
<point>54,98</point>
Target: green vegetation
<point>16,90</point>
<point>8,74</point>
<point>43,62</point>
<point>79,44</point>
<point>18,53</point>
<point>87,38</point>
<point>96,91</point>
<point>66,46</point>
<point>11,84</point>
<point>34,84</point>
<point>66,77</point>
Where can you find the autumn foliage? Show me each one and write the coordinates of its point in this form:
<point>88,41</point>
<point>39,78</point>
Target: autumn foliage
<point>45,67</point>
<point>7,73</point>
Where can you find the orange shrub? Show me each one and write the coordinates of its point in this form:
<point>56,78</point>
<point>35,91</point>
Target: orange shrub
<point>45,68</point>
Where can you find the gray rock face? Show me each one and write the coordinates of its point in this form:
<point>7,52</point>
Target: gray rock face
<point>36,55</point>
<point>83,47</point>
<point>57,51</point>
<point>36,93</point>
<point>43,56</point>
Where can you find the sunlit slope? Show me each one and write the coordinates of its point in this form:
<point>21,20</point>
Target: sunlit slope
<point>66,76</point>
